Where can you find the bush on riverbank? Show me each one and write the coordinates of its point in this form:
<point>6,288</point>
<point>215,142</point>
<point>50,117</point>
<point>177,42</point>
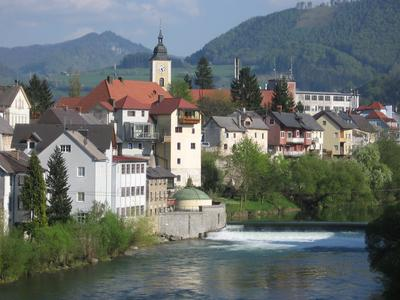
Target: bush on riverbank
<point>66,245</point>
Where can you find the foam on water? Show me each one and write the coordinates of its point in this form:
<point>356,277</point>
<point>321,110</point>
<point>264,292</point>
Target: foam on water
<point>241,238</point>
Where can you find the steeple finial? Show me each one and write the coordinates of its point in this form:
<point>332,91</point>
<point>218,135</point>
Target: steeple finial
<point>160,35</point>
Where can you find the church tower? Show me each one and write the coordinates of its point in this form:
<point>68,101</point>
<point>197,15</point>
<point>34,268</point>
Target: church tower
<point>160,64</point>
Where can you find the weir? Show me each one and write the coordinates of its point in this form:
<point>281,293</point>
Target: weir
<point>306,225</point>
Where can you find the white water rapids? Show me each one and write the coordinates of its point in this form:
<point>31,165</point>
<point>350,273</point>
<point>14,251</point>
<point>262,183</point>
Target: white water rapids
<point>242,238</point>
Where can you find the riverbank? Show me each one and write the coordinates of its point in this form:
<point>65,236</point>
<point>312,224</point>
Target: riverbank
<point>70,245</point>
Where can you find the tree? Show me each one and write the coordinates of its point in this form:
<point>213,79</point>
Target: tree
<point>211,176</point>
<point>204,77</point>
<point>188,80</point>
<point>33,193</point>
<point>216,104</point>
<point>281,98</point>
<point>246,90</point>
<point>244,166</point>
<point>39,94</point>
<point>74,85</point>
<point>180,89</point>
<point>299,107</point>
<point>57,186</point>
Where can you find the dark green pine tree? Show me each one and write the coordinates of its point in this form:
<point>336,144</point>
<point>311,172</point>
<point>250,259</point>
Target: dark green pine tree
<point>299,107</point>
<point>281,97</point>
<point>204,77</point>
<point>33,193</point>
<point>39,94</point>
<point>57,186</point>
<point>246,91</point>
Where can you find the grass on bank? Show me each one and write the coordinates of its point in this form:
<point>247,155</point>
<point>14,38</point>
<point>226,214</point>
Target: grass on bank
<point>63,246</point>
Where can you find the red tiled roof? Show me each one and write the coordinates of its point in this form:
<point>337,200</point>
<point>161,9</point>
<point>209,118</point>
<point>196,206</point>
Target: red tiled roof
<point>197,94</point>
<point>373,106</point>
<point>106,105</point>
<point>167,106</point>
<point>70,102</point>
<point>377,115</point>
<point>123,158</point>
<point>130,103</point>
<point>143,91</point>
<point>267,96</point>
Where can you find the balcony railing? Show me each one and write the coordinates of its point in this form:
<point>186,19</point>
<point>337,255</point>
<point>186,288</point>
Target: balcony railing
<point>295,140</point>
<point>293,153</point>
<point>140,131</point>
<point>189,117</point>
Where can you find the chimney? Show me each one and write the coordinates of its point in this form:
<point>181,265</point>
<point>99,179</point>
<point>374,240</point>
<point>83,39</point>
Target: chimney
<point>279,108</point>
<point>239,118</point>
<point>160,98</point>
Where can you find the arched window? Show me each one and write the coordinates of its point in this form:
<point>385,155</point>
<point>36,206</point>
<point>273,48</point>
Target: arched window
<point>161,81</point>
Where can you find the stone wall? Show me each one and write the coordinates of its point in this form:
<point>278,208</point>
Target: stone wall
<point>187,225</point>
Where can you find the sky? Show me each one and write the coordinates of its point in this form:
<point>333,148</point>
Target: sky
<point>187,24</point>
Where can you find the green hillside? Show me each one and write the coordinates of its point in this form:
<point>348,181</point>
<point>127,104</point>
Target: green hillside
<point>332,47</point>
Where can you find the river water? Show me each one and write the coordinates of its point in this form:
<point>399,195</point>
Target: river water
<point>240,262</point>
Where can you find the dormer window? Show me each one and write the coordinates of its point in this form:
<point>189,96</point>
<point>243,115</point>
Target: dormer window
<point>247,123</point>
<point>65,148</point>
<point>271,121</point>
<point>31,145</point>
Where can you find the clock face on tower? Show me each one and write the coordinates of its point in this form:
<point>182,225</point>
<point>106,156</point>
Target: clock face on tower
<point>162,68</point>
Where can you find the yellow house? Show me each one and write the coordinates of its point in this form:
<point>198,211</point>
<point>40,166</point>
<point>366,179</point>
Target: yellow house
<point>338,133</point>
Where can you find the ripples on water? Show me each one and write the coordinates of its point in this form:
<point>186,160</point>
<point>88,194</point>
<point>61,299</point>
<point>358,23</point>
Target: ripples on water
<point>236,263</point>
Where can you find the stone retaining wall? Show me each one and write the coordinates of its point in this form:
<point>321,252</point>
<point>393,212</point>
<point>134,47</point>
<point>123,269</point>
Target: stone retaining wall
<point>191,224</point>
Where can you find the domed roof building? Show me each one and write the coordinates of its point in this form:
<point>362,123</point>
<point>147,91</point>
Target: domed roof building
<point>191,199</point>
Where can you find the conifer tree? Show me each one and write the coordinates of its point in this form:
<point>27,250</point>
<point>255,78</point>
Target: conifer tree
<point>39,94</point>
<point>57,186</point>
<point>188,80</point>
<point>246,91</point>
<point>204,77</point>
<point>33,193</point>
<point>281,97</point>
<point>299,107</point>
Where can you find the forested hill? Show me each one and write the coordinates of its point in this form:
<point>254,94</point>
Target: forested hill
<point>89,52</point>
<point>333,47</point>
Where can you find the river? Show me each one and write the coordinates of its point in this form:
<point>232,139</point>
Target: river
<point>240,262</point>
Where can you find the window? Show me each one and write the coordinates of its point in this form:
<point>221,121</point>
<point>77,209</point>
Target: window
<point>81,171</point>
<point>320,98</point>
<point>178,161</point>
<point>31,145</point>
<point>324,122</point>
<point>122,192</point>
<point>320,108</point>
<point>336,147</point>
<point>227,135</point>
<point>128,191</point>
<point>81,196</point>
<point>314,97</point>
<point>262,135</point>
<point>307,97</point>
<point>192,145</point>
<point>142,190</point>
<point>178,178</point>
<point>130,146</point>
<point>327,108</point>
<point>133,191</point>
<point>178,129</point>
<point>122,169</point>
<point>65,148</point>
<point>81,217</point>
<point>327,98</point>
<point>234,135</point>
<point>307,108</point>
<point>178,146</point>
<point>289,134</point>
<point>20,203</point>
<point>255,134</point>
<point>142,168</point>
<point>225,146</point>
<point>140,146</point>
<point>193,130</point>
<point>142,209</point>
<point>20,180</point>
<point>137,168</point>
<point>271,121</point>
<point>142,113</point>
<point>138,190</point>
<point>131,113</point>
<point>161,81</point>
<point>282,134</point>
<point>133,168</point>
<point>128,169</point>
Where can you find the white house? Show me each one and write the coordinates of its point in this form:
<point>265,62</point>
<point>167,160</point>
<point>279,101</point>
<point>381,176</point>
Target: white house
<point>128,191</point>
<point>13,168</point>
<point>221,133</point>
<point>179,123</point>
<point>14,105</point>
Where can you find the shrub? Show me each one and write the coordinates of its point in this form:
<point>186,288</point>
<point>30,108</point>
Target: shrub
<point>115,236</point>
<point>143,234</point>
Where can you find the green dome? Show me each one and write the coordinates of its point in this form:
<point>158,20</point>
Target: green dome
<point>190,193</point>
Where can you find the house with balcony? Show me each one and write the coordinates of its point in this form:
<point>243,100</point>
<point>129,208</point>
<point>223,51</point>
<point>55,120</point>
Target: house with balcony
<point>338,133</point>
<point>221,133</point>
<point>364,133</point>
<point>135,127</point>
<point>293,134</point>
<point>179,149</point>
<point>14,105</point>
